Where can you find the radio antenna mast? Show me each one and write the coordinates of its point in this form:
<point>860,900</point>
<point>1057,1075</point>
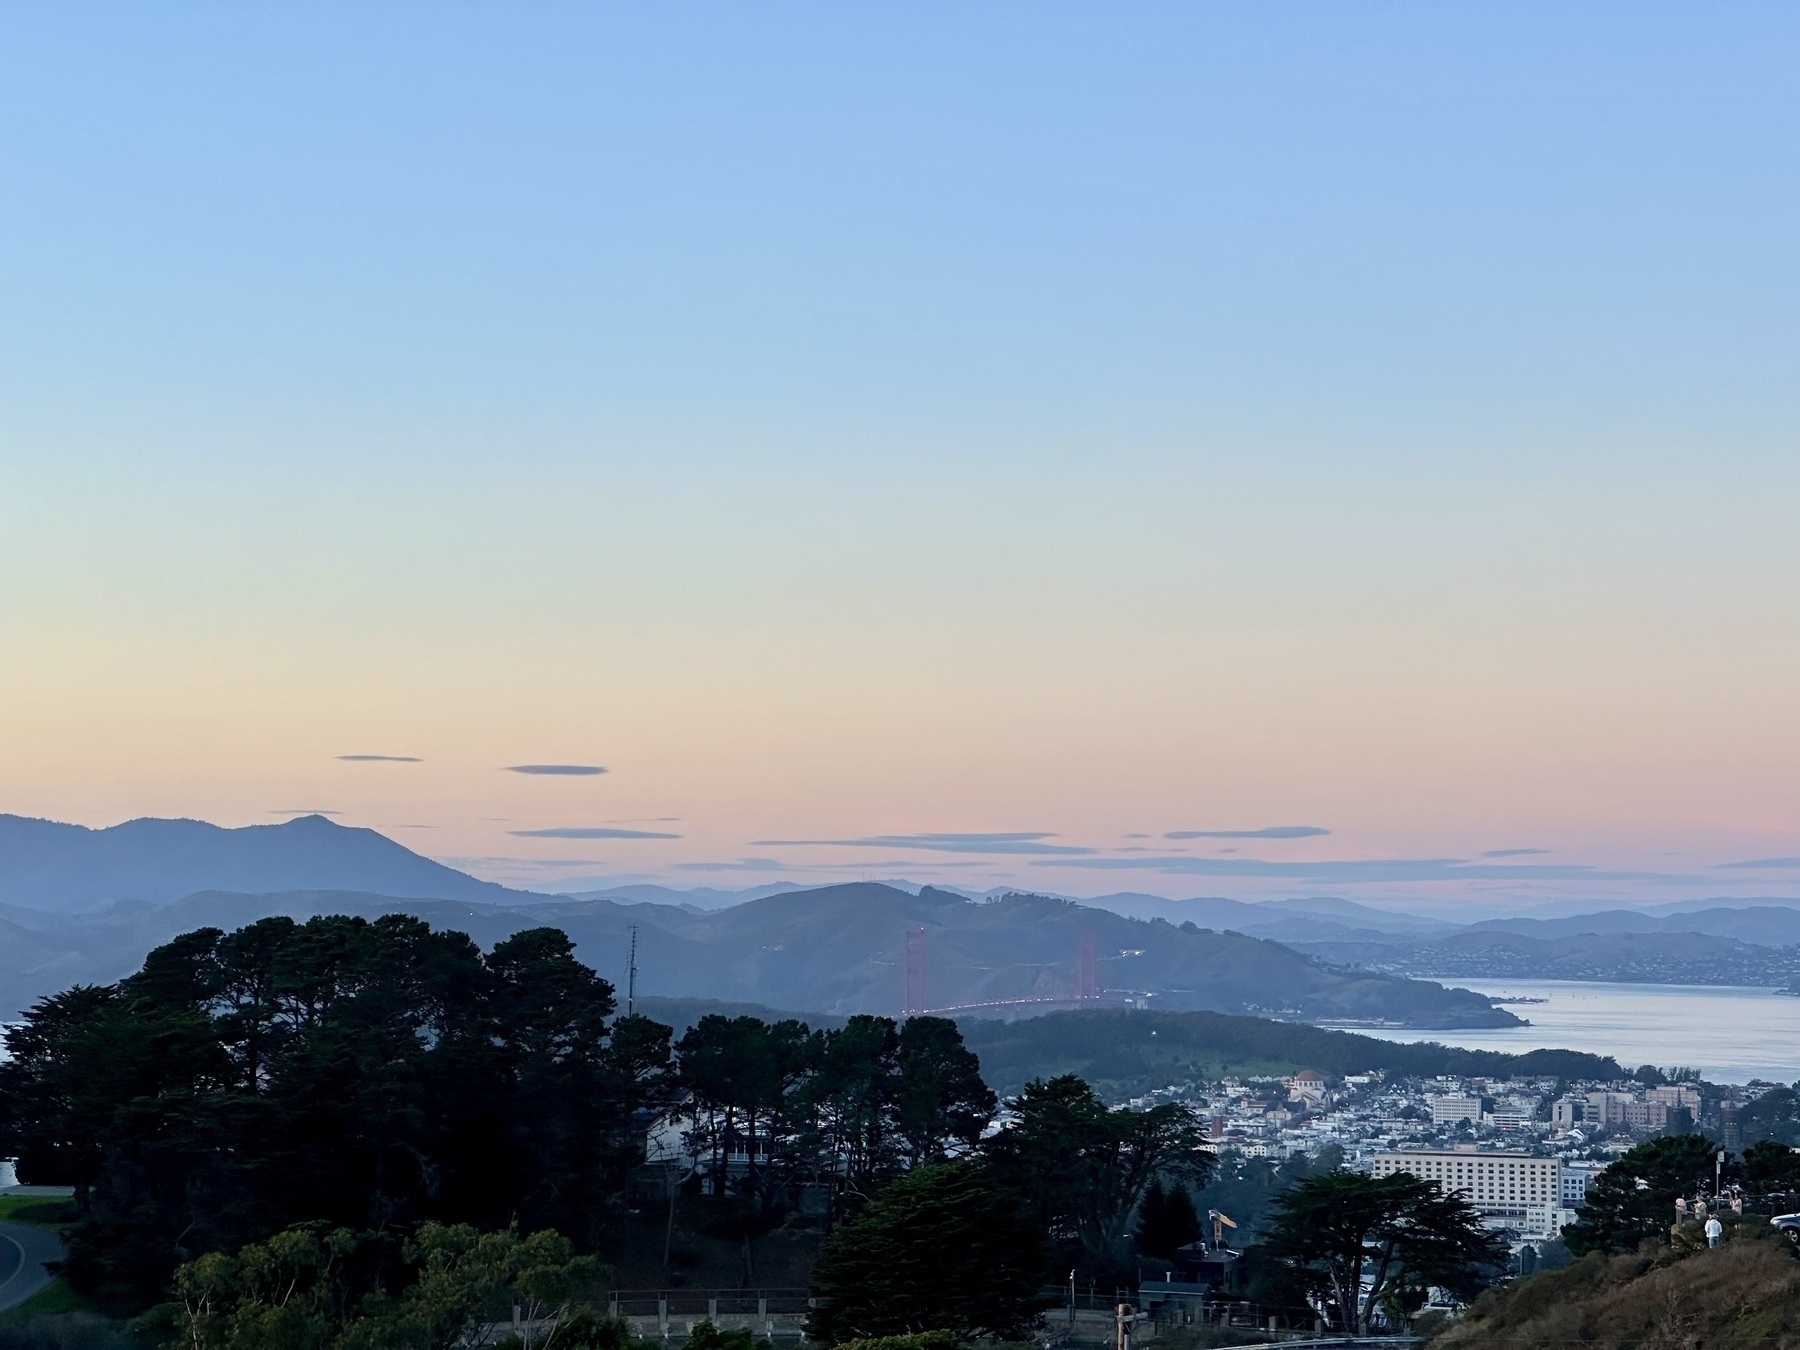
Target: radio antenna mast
<point>631,977</point>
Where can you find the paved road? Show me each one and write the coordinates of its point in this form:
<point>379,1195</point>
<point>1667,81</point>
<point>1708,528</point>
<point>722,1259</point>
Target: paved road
<point>23,1252</point>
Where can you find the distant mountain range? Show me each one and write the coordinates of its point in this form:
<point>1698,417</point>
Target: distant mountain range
<point>84,905</point>
<point>62,869</point>
<point>1755,946</point>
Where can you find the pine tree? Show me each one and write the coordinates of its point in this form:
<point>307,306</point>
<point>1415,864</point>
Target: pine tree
<point>1167,1220</point>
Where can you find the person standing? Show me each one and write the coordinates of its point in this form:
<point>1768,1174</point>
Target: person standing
<point>1714,1231</point>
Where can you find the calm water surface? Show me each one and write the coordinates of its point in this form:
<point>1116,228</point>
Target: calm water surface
<point>1730,1033</point>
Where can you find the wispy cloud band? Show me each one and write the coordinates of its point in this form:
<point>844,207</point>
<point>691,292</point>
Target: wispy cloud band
<point>1267,832</point>
<point>591,832</point>
<point>1350,871</point>
<point>1022,842</point>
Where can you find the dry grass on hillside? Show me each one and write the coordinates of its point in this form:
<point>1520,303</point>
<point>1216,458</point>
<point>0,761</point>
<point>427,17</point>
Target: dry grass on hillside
<point>1746,1293</point>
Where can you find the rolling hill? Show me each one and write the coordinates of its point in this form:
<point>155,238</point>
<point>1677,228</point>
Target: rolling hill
<point>836,949</point>
<point>1125,1052</point>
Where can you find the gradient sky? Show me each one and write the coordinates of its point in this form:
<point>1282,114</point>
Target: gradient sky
<point>975,432</point>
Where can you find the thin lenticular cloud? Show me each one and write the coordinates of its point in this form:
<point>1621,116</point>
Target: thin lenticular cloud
<point>1351,871</point>
<point>486,861</point>
<point>591,832</point>
<point>1514,852</point>
<point>1758,864</point>
<point>795,869</point>
<point>1015,842</point>
<point>1267,832</point>
<point>381,759</point>
<point>556,770</point>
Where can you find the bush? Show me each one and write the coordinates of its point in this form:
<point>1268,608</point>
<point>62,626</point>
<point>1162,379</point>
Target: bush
<point>924,1340</point>
<point>706,1336</point>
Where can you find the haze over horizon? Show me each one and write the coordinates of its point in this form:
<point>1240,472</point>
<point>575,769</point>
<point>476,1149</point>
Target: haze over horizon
<point>1244,451</point>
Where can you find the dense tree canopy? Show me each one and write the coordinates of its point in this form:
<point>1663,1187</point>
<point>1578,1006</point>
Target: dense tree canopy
<point>330,1134</point>
<point>771,1109</point>
<point>943,1248</point>
<point>361,1074</point>
<point>310,1288</point>
<point>1770,1168</point>
<point>1773,1116</point>
<point>375,1076</point>
<point>1084,1168</point>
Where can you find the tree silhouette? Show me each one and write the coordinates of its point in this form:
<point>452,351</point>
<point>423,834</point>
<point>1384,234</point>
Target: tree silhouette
<point>1360,1243</point>
<point>1167,1220</point>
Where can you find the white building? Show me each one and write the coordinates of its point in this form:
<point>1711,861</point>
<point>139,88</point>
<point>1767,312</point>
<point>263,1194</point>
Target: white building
<point>1511,1115</point>
<point>1576,1177</point>
<point>1568,1112</point>
<point>1510,1190</point>
<point>1608,1108</point>
<point>1451,1110</point>
<point>1680,1094</point>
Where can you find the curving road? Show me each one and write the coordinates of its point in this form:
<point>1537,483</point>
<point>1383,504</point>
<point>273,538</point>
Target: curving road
<point>23,1252</point>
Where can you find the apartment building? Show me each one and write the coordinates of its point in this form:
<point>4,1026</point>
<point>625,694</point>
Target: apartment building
<point>1510,1190</point>
<point>1452,1110</point>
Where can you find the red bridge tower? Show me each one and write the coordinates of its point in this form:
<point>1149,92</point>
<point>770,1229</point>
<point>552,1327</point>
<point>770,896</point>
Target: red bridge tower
<point>915,971</point>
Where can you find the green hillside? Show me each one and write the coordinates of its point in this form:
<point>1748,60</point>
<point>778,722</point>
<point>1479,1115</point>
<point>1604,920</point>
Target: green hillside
<point>1123,1053</point>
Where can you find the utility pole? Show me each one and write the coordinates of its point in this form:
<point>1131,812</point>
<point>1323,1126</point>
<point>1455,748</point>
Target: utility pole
<point>1071,1300</point>
<point>631,976</point>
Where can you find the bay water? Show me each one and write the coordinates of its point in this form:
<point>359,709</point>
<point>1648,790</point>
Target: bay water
<point>1730,1033</point>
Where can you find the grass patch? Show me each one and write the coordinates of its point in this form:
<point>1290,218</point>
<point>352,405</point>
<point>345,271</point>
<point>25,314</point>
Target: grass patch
<point>46,1211</point>
<point>52,1300</point>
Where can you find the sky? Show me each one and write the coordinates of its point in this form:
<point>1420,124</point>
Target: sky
<point>1047,445</point>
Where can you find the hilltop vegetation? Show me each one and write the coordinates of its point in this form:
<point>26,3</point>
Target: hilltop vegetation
<point>1746,1293</point>
<point>1124,1053</point>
